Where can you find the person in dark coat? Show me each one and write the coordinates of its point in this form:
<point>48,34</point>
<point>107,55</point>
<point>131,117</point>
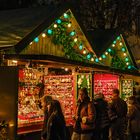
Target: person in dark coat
<point>46,100</point>
<point>102,118</point>
<point>56,126</point>
<point>134,118</point>
<point>118,113</point>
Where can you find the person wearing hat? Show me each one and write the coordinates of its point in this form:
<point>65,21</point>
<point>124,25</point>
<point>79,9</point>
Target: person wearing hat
<point>119,124</point>
<point>46,101</point>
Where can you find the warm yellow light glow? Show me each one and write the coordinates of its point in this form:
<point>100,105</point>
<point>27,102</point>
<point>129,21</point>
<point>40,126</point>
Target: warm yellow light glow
<point>92,59</point>
<point>82,76</point>
<point>75,39</point>
<point>124,54</point>
<point>66,69</point>
<point>106,53</point>
<point>55,25</point>
<point>84,52</point>
<point>11,124</point>
<point>113,45</point>
<point>31,43</point>
<point>69,25</point>
<point>100,58</point>
<point>121,44</point>
<point>14,61</point>
<point>43,35</point>
<point>127,63</point>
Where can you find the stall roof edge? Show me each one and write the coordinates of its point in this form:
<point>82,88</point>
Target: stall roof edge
<point>67,61</point>
<point>101,39</point>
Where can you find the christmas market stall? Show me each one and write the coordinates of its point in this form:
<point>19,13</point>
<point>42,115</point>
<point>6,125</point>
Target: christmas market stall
<point>113,51</point>
<point>55,56</point>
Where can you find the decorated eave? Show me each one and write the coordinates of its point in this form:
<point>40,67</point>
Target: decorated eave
<point>112,49</point>
<point>61,36</point>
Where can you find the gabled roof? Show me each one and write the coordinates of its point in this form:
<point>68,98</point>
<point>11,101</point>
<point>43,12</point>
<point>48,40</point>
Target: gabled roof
<point>20,27</point>
<point>63,36</point>
<point>101,39</point>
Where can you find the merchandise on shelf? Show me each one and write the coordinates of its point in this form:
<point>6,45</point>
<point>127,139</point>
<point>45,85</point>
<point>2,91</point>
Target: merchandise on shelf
<point>29,111</point>
<point>105,83</point>
<point>60,87</point>
<point>126,88</point>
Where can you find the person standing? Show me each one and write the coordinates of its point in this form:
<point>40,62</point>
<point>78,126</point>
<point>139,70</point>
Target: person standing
<point>134,118</point>
<point>102,118</point>
<point>84,117</point>
<point>56,126</point>
<point>118,108</point>
<point>46,100</point>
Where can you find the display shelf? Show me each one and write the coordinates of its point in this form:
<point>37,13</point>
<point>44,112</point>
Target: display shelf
<point>28,128</point>
<point>105,83</point>
<point>126,88</point>
<point>29,111</point>
<point>61,87</point>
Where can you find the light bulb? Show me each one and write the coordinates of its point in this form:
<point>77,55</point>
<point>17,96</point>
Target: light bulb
<point>55,25</point>
<point>43,35</point>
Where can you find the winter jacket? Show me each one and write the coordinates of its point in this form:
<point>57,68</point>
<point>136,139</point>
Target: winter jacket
<point>56,129</point>
<point>102,118</point>
<point>118,107</point>
<point>86,117</point>
<point>134,118</point>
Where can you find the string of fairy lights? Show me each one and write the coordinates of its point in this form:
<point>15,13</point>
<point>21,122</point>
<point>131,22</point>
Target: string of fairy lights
<point>121,46</point>
<point>63,26</point>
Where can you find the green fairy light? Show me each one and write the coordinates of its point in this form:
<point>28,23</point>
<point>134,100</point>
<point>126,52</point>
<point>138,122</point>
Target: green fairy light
<point>81,47</point>
<point>103,56</point>
<point>49,31</point>
<point>88,56</point>
<point>126,59</point>
<point>66,15</point>
<point>114,42</point>
<point>36,39</point>
<point>96,60</point>
<point>118,38</point>
<point>109,50</point>
<point>59,21</point>
<point>123,49</point>
<point>72,33</point>
<point>129,67</point>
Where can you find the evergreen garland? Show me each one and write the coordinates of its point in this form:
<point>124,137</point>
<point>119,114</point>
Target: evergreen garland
<point>61,36</point>
<point>116,61</point>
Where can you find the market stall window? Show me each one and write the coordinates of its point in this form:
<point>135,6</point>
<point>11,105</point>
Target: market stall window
<point>60,87</point>
<point>30,91</point>
<point>126,88</point>
<point>105,83</point>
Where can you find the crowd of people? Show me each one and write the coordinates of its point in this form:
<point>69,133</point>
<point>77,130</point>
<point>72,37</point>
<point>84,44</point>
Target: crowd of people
<point>93,120</point>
